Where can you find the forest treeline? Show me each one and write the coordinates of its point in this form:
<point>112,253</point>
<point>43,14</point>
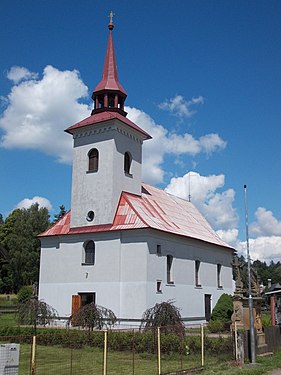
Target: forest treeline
<point>20,246</point>
<point>20,249</point>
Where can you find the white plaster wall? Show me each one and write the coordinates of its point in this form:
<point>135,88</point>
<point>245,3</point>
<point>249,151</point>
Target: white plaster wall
<point>133,276</point>
<point>100,191</point>
<point>189,298</point>
<point>62,273</point>
<point>126,271</point>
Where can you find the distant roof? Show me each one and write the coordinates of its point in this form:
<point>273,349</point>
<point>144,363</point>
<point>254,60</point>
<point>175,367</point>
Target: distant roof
<point>99,118</point>
<point>273,292</point>
<point>154,209</point>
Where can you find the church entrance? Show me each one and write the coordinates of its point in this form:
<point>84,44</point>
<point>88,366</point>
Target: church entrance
<point>81,299</point>
<point>87,298</point>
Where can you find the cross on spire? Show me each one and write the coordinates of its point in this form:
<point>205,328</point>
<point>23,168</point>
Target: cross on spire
<point>110,16</point>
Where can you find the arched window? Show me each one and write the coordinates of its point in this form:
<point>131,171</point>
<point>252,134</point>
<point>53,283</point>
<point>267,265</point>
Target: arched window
<point>93,160</point>
<point>127,163</point>
<point>89,253</point>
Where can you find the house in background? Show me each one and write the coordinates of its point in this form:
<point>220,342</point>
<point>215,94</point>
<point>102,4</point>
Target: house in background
<point>126,245</point>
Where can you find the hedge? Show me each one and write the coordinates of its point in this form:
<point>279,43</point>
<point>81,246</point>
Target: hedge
<point>141,342</point>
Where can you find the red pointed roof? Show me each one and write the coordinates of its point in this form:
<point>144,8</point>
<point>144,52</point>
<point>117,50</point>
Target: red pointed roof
<point>109,79</point>
<point>154,209</point>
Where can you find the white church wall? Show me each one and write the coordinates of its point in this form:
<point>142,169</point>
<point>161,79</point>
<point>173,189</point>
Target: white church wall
<point>183,291</point>
<point>63,274</point>
<point>127,270</point>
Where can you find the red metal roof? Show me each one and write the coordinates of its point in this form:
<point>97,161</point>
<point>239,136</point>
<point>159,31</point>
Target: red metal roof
<point>154,209</point>
<point>109,79</point>
<point>101,117</point>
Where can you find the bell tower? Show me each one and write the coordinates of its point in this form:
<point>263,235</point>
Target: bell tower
<point>107,156</point>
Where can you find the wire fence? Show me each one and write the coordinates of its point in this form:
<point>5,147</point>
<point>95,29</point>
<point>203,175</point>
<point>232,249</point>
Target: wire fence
<point>78,352</point>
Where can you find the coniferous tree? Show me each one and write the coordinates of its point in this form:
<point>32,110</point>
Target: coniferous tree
<point>61,214</point>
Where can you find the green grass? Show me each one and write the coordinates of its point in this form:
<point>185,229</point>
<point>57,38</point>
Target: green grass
<point>8,299</point>
<point>60,361</point>
<point>8,319</point>
<point>264,365</point>
<point>55,360</point>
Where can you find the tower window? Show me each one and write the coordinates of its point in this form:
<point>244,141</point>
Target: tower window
<point>100,101</point>
<point>90,216</point>
<point>93,160</point>
<point>169,269</point>
<point>111,101</point>
<point>89,253</point>
<point>127,163</point>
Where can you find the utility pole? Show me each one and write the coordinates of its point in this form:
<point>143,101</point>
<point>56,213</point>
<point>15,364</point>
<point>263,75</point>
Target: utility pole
<point>251,309</point>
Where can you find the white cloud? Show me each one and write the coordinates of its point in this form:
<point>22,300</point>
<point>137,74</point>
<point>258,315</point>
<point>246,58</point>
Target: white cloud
<point>217,207</point>
<point>264,248</point>
<point>19,73</point>
<point>39,110</point>
<point>42,202</point>
<point>265,225</point>
<point>229,236</point>
<point>181,107</point>
<point>163,142</point>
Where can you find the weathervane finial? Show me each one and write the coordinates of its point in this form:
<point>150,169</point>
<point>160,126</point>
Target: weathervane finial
<point>111,26</point>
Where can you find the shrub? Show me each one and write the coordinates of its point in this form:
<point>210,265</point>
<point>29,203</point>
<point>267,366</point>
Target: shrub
<point>164,315</point>
<point>217,327</point>
<point>24,293</point>
<point>34,312</point>
<point>223,310</point>
<point>94,316</point>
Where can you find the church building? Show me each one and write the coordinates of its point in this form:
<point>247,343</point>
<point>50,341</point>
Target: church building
<point>126,245</point>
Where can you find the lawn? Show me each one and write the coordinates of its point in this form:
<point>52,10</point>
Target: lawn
<point>55,360</point>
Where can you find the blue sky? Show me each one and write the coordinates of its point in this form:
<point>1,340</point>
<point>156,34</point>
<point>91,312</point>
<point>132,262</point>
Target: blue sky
<point>203,77</point>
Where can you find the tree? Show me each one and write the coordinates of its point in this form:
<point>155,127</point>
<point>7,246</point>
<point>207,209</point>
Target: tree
<point>94,316</point>
<point>60,214</point>
<point>18,234</point>
<point>1,219</point>
<point>223,310</point>
<point>165,315</point>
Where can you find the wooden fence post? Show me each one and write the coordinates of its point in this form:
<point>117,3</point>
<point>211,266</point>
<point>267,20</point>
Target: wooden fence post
<point>33,361</point>
<point>159,350</point>
<point>105,354</point>
<point>202,346</point>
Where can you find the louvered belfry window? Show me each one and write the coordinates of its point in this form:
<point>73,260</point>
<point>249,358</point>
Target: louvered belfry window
<point>127,163</point>
<point>93,160</point>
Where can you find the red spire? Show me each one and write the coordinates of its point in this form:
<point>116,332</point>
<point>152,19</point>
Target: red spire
<point>109,93</point>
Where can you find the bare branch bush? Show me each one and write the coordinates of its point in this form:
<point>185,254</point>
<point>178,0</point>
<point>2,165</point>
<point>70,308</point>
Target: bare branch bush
<point>94,316</point>
<point>164,315</point>
<point>36,312</point>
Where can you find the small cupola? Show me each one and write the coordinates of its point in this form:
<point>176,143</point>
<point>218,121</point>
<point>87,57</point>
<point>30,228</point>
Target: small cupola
<point>109,95</point>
